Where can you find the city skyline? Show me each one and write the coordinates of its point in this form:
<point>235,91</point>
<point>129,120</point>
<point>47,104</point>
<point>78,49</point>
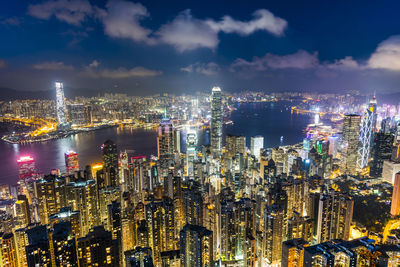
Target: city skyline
<point>260,46</point>
<point>199,134</point>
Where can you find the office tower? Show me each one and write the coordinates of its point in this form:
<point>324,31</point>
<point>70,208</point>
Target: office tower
<point>191,154</point>
<point>382,150</point>
<point>366,134</point>
<point>351,128</point>
<point>110,155</point>
<point>373,108</point>
<point>26,167</point>
<point>196,246</point>
<point>50,193</point>
<point>335,214</point>
<point>22,216</point>
<point>256,144</point>
<point>8,252</point>
<point>333,145</point>
<point>82,197</point>
<point>235,144</point>
<point>165,141</point>
<point>98,248</point>
<point>38,249</point>
<point>216,121</point>
<point>71,161</point>
<point>63,245</point>
<point>60,104</point>
<point>293,252</point>
<point>395,207</point>
<point>177,141</point>
<point>139,257</point>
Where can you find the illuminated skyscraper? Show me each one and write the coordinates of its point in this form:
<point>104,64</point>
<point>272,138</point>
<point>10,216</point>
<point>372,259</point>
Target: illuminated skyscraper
<point>351,129</point>
<point>165,141</point>
<point>196,246</point>
<point>26,167</point>
<point>63,245</point>
<point>256,144</point>
<point>49,191</point>
<point>335,214</point>
<point>71,162</point>
<point>21,212</point>
<point>98,248</point>
<point>191,144</point>
<point>110,155</point>
<point>235,144</point>
<point>38,250</point>
<point>60,104</point>
<point>383,147</point>
<point>8,252</point>
<point>216,121</point>
<point>366,136</point>
<point>293,252</point>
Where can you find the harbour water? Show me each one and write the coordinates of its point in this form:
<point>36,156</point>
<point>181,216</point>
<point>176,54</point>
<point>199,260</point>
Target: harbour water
<point>271,120</point>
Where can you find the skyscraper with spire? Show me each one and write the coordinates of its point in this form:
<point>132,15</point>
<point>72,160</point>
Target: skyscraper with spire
<point>216,121</point>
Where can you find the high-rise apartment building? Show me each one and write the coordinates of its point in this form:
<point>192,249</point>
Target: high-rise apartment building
<point>8,252</point>
<point>63,247</point>
<point>216,121</point>
<point>98,248</point>
<point>196,246</point>
<point>335,214</point>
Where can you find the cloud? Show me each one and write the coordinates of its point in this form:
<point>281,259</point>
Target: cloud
<point>13,21</point>
<point>188,33</point>
<point>120,73</point>
<point>210,68</point>
<point>263,20</point>
<point>52,65</point>
<point>387,55</point>
<point>122,20</point>
<point>94,64</point>
<point>70,11</point>
<point>346,63</point>
<point>3,63</point>
<point>299,60</point>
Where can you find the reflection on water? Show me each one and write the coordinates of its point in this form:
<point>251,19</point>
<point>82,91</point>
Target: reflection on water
<point>272,120</point>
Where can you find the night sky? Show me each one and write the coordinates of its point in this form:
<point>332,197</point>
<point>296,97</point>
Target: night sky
<point>187,46</point>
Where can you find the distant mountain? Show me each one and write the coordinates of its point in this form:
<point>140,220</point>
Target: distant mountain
<point>7,94</point>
